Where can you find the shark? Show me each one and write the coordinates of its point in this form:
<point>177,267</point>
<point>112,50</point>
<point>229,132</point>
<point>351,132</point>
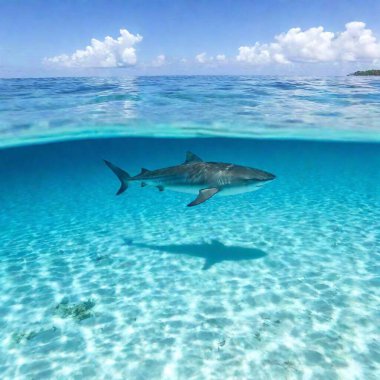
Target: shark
<point>195,176</point>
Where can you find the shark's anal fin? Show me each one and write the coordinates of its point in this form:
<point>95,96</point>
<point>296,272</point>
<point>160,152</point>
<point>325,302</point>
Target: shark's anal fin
<point>203,195</point>
<point>161,188</point>
<point>191,157</point>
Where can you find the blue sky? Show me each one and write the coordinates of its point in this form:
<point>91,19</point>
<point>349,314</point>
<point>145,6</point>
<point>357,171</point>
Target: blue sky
<point>187,37</point>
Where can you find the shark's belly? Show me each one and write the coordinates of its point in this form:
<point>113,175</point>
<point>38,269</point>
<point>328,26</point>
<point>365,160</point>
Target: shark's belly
<point>185,189</point>
<point>234,190</point>
<point>228,190</point>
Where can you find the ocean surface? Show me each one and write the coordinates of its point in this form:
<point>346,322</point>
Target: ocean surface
<point>53,109</point>
<point>281,283</point>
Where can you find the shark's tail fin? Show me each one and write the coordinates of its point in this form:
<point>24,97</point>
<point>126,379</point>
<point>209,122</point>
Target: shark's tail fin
<point>121,174</point>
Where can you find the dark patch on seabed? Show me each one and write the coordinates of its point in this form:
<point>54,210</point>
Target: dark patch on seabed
<point>212,253</point>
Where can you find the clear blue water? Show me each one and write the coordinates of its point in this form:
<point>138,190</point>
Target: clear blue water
<point>282,283</point>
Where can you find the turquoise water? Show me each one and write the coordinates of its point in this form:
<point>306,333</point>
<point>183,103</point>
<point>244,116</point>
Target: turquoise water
<point>282,283</point>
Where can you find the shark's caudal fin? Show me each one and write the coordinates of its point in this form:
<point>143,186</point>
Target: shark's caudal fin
<point>121,174</point>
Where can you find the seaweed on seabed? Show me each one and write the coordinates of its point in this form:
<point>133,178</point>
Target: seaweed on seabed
<point>27,335</point>
<point>23,336</point>
<point>78,312</point>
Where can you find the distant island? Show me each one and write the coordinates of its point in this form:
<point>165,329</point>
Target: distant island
<point>366,72</point>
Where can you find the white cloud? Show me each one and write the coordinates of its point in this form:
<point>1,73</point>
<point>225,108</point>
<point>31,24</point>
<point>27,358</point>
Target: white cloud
<point>159,61</point>
<point>202,58</point>
<point>355,43</point>
<point>119,52</point>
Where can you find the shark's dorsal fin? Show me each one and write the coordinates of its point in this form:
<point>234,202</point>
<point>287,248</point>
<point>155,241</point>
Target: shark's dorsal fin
<point>191,157</point>
<point>143,171</point>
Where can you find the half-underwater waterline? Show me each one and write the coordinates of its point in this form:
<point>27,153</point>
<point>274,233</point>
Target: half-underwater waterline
<point>282,283</point>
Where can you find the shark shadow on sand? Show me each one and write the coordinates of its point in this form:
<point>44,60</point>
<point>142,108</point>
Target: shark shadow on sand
<point>213,253</point>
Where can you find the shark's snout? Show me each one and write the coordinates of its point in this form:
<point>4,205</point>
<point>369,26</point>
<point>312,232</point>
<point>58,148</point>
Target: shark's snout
<point>270,177</point>
<point>265,177</point>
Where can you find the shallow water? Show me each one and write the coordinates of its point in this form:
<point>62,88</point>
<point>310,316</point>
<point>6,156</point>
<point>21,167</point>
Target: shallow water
<point>331,108</point>
<point>282,283</point>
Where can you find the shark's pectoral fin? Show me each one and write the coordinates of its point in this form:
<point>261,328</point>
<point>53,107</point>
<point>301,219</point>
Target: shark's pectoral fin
<point>203,195</point>
<point>161,188</point>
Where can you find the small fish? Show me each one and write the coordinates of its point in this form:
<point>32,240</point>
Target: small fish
<point>195,176</point>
